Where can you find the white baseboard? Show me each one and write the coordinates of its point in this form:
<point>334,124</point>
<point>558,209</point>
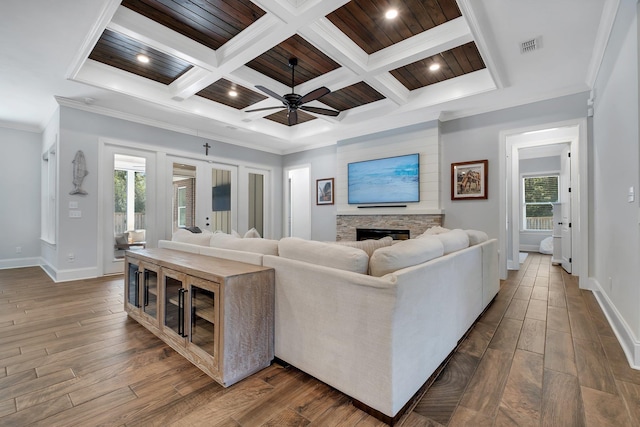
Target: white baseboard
<point>529,248</point>
<point>630,344</point>
<point>70,274</point>
<point>19,262</point>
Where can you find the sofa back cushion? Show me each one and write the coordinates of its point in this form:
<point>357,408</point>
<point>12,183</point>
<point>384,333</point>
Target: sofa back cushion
<point>404,254</point>
<point>454,240</point>
<point>186,236</point>
<point>476,237</point>
<point>369,245</point>
<point>257,245</point>
<point>325,254</point>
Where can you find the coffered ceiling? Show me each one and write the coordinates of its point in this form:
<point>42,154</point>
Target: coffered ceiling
<point>438,59</point>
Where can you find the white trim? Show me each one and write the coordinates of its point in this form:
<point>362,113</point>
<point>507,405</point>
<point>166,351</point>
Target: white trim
<point>529,248</point>
<point>20,262</point>
<point>607,19</point>
<point>508,156</point>
<point>628,341</point>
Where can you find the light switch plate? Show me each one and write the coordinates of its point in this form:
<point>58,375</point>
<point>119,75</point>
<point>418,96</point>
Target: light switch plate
<point>75,214</point>
<point>73,205</point>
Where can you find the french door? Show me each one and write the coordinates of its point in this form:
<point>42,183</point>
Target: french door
<point>128,198</point>
<point>202,194</point>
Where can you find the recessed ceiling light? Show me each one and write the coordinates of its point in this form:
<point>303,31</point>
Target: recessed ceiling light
<point>391,14</point>
<point>434,67</point>
<point>233,93</point>
<point>143,58</point>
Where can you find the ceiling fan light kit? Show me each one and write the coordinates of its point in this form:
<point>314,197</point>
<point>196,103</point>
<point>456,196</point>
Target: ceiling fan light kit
<point>293,101</point>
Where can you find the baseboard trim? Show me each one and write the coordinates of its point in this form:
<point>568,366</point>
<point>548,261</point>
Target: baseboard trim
<point>629,343</point>
<point>529,248</point>
<point>59,276</point>
<point>19,262</point>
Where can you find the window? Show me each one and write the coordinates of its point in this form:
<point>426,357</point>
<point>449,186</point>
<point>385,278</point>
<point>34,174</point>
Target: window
<point>539,194</point>
<point>182,206</point>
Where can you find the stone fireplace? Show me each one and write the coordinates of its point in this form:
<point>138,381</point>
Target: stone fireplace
<point>416,224</point>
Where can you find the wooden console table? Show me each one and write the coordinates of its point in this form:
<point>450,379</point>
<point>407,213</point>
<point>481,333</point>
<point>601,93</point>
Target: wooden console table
<point>216,313</point>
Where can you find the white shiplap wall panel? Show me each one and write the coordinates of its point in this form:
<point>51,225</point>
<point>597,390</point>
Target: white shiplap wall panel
<point>425,141</point>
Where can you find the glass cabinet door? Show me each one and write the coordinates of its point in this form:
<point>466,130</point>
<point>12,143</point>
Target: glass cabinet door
<point>150,296</point>
<point>174,294</point>
<point>204,315</point>
<point>133,284</point>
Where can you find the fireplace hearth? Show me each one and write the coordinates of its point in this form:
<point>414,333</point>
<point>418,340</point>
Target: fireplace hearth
<point>379,233</point>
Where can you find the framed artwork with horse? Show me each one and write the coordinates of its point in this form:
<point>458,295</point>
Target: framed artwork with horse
<point>469,180</point>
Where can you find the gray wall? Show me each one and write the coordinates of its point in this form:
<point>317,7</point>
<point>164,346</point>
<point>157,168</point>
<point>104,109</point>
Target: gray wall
<point>80,130</point>
<point>323,165</point>
<point>615,239</point>
<point>20,158</point>
<point>478,138</point>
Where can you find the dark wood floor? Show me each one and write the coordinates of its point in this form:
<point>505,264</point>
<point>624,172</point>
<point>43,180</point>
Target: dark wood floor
<point>543,354</point>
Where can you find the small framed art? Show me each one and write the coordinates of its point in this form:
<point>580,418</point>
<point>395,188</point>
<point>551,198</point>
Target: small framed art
<point>324,191</point>
<point>469,180</point>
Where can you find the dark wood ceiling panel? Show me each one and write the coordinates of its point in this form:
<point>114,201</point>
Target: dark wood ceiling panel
<point>363,21</point>
<point>209,22</point>
<point>281,117</point>
<point>120,51</point>
<point>453,63</point>
<point>352,96</point>
<point>219,92</point>
<point>312,62</point>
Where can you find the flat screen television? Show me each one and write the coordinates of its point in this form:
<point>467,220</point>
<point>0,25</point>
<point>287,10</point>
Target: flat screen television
<point>388,180</point>
<point>221,198</point>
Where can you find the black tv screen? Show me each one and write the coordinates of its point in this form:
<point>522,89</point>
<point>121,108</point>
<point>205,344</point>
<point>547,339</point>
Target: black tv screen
<point>221,198</point>
<point>388,180</point>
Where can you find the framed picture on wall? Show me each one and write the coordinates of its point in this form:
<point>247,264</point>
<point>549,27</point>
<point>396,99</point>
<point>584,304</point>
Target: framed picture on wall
<point>324,191</point>
<point>469,180</point>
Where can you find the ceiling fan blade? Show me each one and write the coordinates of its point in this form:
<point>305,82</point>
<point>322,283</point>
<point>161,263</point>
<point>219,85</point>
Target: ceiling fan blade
<point>264,109</point>
<point>317,110</point>
<point>271,93</point>
<point>293,117</point>
<point>313,95</point>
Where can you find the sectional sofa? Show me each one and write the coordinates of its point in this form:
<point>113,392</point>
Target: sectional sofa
<point>372,319</point>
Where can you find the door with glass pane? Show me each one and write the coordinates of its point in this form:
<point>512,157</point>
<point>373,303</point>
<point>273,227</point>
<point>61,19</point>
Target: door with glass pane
<point>203,195</point>
<point>175,294</point>
<point>127,191</point>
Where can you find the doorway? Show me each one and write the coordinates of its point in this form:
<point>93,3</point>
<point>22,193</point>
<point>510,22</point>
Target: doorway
<point>573,135</point>
<point>298,202</point>
<point>128,188</point>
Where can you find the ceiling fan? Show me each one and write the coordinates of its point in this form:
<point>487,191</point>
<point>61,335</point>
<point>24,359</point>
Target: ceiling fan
<point>292,101</point>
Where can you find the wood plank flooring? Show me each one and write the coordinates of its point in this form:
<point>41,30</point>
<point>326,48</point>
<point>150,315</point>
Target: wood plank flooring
<point>542,355</point>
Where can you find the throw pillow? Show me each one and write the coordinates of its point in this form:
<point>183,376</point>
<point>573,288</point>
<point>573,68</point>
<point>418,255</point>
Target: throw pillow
<point>325,254</point>
<point>252,234</point>
<point>404,254</point>
<point>137,236</point>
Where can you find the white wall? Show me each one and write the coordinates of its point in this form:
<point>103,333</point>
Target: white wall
<point>477,138</point>
<point>20,157</point>
<point>323,165</point>
<point>615,238</point>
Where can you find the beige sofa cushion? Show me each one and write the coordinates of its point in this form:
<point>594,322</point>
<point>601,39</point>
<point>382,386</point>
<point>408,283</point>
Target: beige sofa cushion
<point>223,240</point>
<point>454,240</point>
<point>185,236</point>
<point>369,245</point>
<point>325,254</point>
<point>404,254</point>
<point>476,236</point>
<point>434,231</point>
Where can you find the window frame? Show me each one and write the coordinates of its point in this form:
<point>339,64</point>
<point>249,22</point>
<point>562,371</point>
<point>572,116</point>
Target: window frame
<point>524,204</point>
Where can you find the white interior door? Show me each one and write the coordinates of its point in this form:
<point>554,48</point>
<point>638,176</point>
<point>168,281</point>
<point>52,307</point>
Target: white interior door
<point>565,208</point>
<point>299,203</point>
